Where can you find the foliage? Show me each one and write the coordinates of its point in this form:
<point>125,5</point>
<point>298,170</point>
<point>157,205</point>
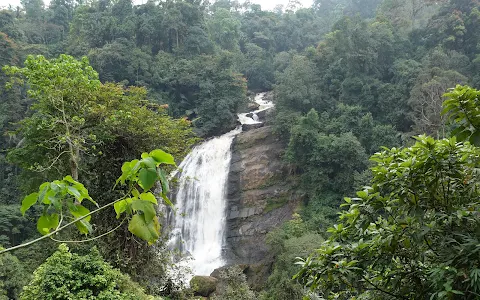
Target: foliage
<point>288,242</point>
<point>461,105</point>
<point>67,275</point>
<point>12,277</point>
<point>61,200</point>
<point>412,235</point>
<point>328,162</point>
<point>14,227</point>
<point>233,285</point>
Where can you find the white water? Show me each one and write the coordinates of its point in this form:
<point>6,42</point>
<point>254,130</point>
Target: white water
<point>200,220</point>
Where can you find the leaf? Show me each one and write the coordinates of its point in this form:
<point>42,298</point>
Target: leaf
<point>147,178</point>
<point>475,138</point>
<point>166,200</point>
<point>149,232</point>
<point>69,178</point>
<point>43,190</point>
<point>54,198</point>
<point>149,162</point>
<point>146,207</point>
<point>121,206</point>
<point>462,136</point>
<point>74,192</point>
<point>47,222</point>
<point>79,211</point>
<point>162,157</point>
<point>28,202</point>
<point>148,197</point>
<point>84,226</point>
<point>164,181</point>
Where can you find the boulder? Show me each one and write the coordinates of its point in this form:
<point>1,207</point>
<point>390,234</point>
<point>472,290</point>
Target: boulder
<point>248,127</point>
<point>252,106</point>
<point>203,285</point>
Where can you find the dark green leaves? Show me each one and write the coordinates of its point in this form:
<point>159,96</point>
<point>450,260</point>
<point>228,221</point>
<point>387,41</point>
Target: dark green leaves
<point>421,212</point>
<point>462,108</point>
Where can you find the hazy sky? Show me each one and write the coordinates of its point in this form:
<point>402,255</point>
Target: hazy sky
<point>266,4</point>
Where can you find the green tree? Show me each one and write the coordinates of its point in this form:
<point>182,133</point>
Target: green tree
<point>233,285</point>
<point>67,275</point>
<point>12,277</point>
<point>412,234</point>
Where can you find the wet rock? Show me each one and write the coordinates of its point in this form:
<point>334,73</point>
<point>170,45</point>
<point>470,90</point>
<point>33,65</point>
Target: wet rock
<point>203,285</point>
<point>252,106</point>
<point>248,127</point>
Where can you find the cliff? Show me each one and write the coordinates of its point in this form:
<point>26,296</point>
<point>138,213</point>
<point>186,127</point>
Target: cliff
<point>261,197</point>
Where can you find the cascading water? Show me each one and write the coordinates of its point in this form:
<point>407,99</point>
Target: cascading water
<point>199,223</point>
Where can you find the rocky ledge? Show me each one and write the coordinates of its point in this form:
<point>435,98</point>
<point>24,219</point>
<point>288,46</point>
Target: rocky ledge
<point>261,197</point>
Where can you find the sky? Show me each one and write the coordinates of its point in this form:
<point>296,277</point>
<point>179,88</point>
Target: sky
<point>266,4</point>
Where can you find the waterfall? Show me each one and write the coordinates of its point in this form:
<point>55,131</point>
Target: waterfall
<point>200,219</point>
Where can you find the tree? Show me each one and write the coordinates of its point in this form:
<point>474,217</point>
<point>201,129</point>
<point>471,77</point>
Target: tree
<point>427,97</point>
<point>297,88</point>
<point>64,90</point>
<point>12,277</point>
<point>233,285</point>
<point>328,161</point>
<point>413,233</point>
<point>224,29</point>
<point>67,275</point>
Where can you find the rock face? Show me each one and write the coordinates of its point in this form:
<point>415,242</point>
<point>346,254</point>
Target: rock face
<point>203,285</point>
<point>260,198</point>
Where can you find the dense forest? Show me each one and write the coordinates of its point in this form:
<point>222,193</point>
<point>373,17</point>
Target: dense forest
<point>360,105</point>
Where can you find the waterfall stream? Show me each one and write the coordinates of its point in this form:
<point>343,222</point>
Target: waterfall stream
<point>200,220</point>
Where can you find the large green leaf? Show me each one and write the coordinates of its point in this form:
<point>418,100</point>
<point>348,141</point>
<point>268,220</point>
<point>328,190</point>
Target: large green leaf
<point>148,197</point>
<point>44,187</point>
<point>162,157</point>
<point>149,162</point>
<point>47,222</point>
<point>147,178</point>
<point>84,226</point>
<point>28,202</point>
<point>121,206</point>
<point>54,198</point>
<point>146,207</point>
<point>164,181</point>
<point>74,192</point>
<point>149,232</point>
<point>79,211</point>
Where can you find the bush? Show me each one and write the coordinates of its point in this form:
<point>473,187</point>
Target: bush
<point>67,275</point>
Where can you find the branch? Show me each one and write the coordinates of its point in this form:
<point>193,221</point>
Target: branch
<point>60,229</point>
<point>43,169</point>
<point>379,289</point>
<point>90,239</point>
